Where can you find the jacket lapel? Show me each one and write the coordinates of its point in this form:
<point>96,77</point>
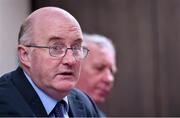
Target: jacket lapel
<point>77,108</point>
<point>28,93</point>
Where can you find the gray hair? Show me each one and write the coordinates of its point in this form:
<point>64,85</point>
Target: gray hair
<point>25,32</point>
<point>99,40</point>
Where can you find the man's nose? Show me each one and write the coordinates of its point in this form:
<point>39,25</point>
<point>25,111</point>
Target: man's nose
<point>69,58</point>
<point>108,76</point>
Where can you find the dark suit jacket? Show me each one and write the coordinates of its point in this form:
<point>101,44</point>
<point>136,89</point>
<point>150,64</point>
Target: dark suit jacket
<point>18,98</point>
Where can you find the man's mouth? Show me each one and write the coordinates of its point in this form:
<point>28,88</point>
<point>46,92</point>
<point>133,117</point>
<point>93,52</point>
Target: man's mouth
<point>67,73</point>
<point>104,91</point>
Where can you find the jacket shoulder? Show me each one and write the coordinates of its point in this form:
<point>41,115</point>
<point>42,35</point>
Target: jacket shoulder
<point>85,101</point>
<point>11,101</point>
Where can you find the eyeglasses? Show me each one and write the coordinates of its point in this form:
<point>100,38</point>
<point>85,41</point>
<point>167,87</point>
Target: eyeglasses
<point>58,51</point>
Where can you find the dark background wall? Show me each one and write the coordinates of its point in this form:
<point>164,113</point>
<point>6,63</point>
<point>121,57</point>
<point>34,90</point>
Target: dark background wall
<point>146,34</point>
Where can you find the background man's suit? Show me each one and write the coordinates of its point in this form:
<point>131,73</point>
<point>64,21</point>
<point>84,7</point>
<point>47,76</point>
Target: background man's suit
<point>18,98</point>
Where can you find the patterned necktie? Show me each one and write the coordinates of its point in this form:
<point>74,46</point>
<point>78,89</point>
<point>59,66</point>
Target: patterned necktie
<point>59,109</point>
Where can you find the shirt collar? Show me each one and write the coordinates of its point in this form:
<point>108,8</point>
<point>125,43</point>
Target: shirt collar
<point>47,101</point>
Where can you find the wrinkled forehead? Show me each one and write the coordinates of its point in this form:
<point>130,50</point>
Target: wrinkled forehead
<point>56,25</point>
<point>99,52</point>
<point>99,49</point>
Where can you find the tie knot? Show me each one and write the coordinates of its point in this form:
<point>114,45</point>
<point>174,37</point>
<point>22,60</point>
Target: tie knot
<point>59,109</point>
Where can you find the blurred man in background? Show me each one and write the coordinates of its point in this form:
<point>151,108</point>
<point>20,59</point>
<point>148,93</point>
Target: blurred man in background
<point>98,69</point>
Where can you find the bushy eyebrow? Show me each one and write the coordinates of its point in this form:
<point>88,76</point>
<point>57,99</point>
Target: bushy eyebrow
<point>54,39</point>
<point>78,40</point>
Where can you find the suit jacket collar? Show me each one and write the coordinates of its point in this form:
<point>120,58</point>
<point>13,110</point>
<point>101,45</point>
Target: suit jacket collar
<point>27,91</point>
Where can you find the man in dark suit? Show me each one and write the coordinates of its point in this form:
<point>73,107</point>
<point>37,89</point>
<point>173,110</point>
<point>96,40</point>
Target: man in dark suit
<point>50,53</point>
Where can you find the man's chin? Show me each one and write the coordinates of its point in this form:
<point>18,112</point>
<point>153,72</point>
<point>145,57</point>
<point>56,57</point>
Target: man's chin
<point>100,101</point>
<point>65,86</point>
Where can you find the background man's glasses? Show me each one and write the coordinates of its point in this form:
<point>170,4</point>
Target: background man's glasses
<point>79,52</point>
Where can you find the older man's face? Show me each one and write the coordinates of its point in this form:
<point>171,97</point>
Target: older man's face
<point>55,76</point>
<point>96,77</point>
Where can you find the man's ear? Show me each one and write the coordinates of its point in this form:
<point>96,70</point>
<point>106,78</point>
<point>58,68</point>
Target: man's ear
<point>23,54</point>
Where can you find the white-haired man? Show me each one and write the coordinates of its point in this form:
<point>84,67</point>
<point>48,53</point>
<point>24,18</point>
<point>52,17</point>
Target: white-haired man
<point>98,69</point>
